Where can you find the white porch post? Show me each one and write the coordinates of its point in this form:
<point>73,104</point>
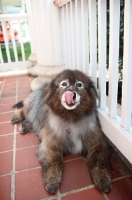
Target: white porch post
<point>46,30</point>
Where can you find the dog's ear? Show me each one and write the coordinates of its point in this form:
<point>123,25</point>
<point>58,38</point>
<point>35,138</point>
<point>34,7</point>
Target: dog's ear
<point>93,92</point>
<point>46,90</point>
<point>49,90</point>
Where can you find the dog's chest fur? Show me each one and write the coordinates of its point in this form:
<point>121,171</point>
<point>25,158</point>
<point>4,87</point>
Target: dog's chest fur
<point>72,133</point>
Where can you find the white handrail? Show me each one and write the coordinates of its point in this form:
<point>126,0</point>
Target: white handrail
<point>10,17</point>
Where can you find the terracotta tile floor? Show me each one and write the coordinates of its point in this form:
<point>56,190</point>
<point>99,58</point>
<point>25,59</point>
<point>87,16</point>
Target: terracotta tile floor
<point>20,171</point>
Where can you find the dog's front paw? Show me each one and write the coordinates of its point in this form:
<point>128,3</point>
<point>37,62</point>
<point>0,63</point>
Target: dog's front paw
<point>102,180</point>
<point>25,127</point>
<point>52,187</point>
<point>52,179</point>
<point>15,119</point>
<point>23,130</point>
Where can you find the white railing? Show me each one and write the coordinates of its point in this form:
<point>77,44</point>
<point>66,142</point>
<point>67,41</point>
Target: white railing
<point>13,34</point>
<point>79,25</point>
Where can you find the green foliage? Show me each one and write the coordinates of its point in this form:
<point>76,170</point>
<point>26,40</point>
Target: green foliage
<point>27,50</point>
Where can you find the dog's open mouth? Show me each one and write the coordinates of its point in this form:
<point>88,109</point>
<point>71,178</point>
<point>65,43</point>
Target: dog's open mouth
<point>70,100</point>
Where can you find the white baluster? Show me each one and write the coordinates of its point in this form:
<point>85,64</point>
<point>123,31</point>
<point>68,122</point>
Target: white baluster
<point>127,68</point>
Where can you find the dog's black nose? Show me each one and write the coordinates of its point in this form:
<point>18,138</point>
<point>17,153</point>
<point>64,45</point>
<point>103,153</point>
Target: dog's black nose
<point>74,97</point>
<point>74,93</point>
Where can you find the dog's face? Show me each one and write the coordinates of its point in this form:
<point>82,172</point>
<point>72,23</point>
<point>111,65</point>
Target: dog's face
<point>71,92</point>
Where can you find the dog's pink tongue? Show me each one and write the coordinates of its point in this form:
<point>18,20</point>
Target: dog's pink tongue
<point>68,97</point>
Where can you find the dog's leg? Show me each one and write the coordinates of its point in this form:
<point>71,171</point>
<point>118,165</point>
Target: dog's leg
<point>99,167</point>
<point>25,127</point>
<point>18,117</point>
<point>52,163</point>
<point>52,171</point>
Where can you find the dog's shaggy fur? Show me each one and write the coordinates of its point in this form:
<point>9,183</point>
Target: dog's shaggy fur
<point>63,115</point>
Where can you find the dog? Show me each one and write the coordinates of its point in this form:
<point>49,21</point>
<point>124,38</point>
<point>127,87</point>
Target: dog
<point>63,114</point>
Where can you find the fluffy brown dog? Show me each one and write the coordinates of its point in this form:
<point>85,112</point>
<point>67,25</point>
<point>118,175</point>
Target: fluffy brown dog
<point>63,114</point>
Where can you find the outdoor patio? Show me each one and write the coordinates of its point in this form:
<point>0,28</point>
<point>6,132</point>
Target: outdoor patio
<point>20,171</point>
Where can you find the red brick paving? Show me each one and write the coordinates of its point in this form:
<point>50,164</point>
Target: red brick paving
<point>91,194</point>
<point>6,101</point>
<point>122,190</point>
<point>6,108</point>
<point>75,176</point>
<point>26,140</point>
<point>29,185</point>
<point>5,187</point>
<point>6,162</point>
<point>26,158</point>
<point>6,142</point>
<point>19,163</point>
<point>6,128</point>
<point>4,117</point>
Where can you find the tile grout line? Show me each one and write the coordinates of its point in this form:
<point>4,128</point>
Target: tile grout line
<point>6,134</point>
<point>18,148</point>
<point>105,196</point>
<point>77,190</point>
<point>6,98</point>
<point>27,147</point>
<point>23,170</point>
<point>58,194</point>
<point>122,177</point>
<point>6,151</point>
<point>6,112</point>
<point>72,159</point>
<point>14,154</point>
<point>28,169</point>
<point>6,103</point>
<point>50,198</point>
<point>2,175</point>
<point>5,122</point>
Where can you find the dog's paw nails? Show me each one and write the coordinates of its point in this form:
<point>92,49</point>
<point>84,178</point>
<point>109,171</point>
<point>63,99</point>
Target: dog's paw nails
<point>23,130</point>
<point>52,187</point>
<point>15,120</point>
<point>106,186</point>
<point>103,182</point>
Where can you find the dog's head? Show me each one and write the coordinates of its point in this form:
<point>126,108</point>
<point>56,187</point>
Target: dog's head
<point>71,92</point>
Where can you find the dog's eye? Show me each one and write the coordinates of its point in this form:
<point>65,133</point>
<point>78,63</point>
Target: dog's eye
<point>64,84</point>
<point>79,84</point>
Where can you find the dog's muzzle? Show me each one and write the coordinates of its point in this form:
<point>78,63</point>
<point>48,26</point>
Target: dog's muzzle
<point>70,100</point>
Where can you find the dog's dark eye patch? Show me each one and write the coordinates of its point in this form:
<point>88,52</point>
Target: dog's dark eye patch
<point>64,84</point>
<point>79,84</point>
